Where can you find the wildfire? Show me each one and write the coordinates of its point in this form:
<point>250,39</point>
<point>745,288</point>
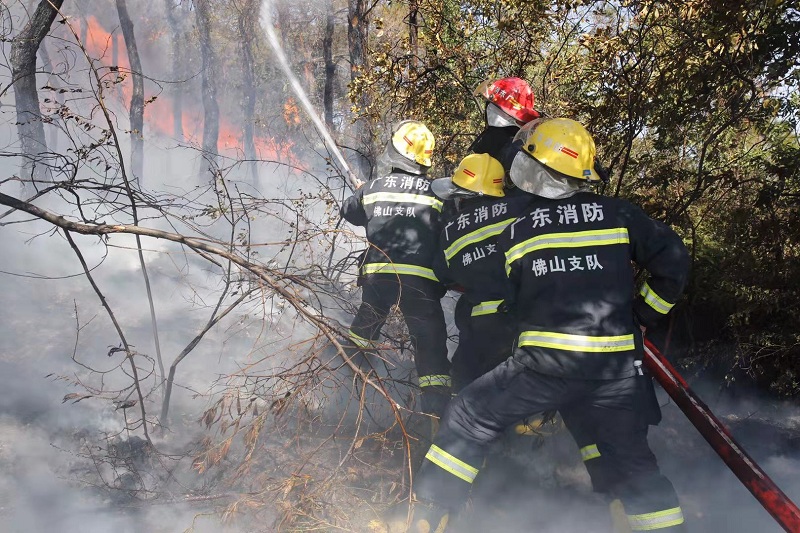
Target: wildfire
<point>109,49</point>
<point>291,113</point>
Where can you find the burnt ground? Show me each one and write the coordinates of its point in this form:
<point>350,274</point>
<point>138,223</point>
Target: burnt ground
<point>301,481</point>
<point>539,484</point>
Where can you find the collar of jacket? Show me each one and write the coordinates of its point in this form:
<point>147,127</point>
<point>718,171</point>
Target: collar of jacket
<point>395,170</point>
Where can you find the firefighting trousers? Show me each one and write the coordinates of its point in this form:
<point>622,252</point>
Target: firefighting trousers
<point>512,391</point>
<point>484,341</point>
<point>419,300</point>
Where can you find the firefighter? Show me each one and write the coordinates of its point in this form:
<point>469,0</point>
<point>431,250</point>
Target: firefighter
<point>571,283</point>
<point>509,105</point>
<point>401,217</point>
<point>484,333</point>
<point>486,329</point>
<point>469,259</point>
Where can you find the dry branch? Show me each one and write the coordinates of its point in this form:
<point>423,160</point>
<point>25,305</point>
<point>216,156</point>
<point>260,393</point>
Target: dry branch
<point>285,290</point>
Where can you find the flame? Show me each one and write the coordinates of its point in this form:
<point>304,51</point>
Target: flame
<point>291,113</point>
<point>159,115</point>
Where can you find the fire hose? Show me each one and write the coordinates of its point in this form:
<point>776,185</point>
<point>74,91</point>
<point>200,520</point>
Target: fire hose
<point>777,504</point>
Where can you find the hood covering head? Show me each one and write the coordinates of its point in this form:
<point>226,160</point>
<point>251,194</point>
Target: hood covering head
<point>533,177</point>
<point>445,189</point>
<point>498,118</point>
<point>394,159</point>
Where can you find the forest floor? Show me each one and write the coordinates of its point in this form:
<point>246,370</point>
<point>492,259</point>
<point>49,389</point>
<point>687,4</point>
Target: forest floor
<point>303,480</point>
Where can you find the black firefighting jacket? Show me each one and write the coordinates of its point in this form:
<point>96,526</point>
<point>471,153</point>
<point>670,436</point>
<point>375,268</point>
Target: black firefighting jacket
<point>469,257</point>
<point>401,215</point>
<point>494,140</point>
<point>572,283</point>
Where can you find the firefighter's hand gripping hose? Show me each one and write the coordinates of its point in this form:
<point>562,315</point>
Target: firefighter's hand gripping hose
<point>777,504</point>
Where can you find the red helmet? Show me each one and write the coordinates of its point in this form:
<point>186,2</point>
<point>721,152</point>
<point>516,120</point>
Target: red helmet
<point>513,95</point>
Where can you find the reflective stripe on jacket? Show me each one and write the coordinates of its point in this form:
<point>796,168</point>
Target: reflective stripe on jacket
<point>402,219</point>
<point>572,283</point>
<point>469,256</point>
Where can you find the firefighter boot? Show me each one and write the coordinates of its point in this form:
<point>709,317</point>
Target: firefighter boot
<point>619,519</point>
<point>422,517</point>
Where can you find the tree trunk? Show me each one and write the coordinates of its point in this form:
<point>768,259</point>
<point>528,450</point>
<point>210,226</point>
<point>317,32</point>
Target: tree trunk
<point>357,27</point>
<point>137,149</point>
<point>211,118</point>
<point>177,70</point>
<point>330,67</point>
<point>357,36</point>
<point>247,20</point>
<point>26,97</point>
<point>52,81</point>
<point>115,48</point>
<point>84,22</point>
<point>283,23</point>
<point>137,98</point>
<point>413,32</point>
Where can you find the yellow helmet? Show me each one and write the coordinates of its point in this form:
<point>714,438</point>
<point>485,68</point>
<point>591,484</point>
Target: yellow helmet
<point>560,144</point>
<point>414,141</point>
<point>476,175</point>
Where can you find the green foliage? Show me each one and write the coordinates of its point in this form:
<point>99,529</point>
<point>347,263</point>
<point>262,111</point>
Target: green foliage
<point>458,45</point>
<point>693,106</point>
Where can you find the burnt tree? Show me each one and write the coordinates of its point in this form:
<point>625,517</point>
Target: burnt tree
<point>53,81</point>
<point>210,105</point>
<point>248,15</point>
<point>357,35</point>
<point>178,60</point>
<point>26,97</point>
<point>330,67</point>
<point>137,97</point>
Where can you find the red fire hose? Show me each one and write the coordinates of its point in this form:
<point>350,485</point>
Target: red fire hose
<point>782,509</point>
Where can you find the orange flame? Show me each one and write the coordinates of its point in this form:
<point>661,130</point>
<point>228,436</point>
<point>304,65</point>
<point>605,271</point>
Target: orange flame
<point>291,113</point>
<point>159,115</point>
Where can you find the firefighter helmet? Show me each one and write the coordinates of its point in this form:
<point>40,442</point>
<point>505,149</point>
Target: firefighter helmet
<point>476,175</point>
<point>556,158</point>
<point>414,141</point>
<point>513,96</point>
<point>561,144</point>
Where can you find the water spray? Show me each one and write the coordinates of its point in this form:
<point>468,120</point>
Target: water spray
<point>266,22</point>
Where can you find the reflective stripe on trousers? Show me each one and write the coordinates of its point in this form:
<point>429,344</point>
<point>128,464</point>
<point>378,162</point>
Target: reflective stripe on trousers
<point>435,380</point>
<point>657,520</point>
<point>359,341</point>
<point>590,452</point>
<point>451,464</point>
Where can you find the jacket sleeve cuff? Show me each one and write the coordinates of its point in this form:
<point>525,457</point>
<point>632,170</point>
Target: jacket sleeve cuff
<point>645,315</point>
